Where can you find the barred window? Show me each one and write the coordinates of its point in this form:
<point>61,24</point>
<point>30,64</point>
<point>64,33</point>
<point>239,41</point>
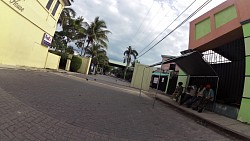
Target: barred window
<point>55,8</point>
<point>49,4</point>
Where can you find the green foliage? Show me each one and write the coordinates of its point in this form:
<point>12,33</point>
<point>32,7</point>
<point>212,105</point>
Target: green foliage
<point>118,72</point>
<point>98,55</point>
<point>93,34</point>
<point>107,69</point>
<point>129,75</point>
<point>76,63</point>
<point>63,61</point>
<point>97,33</point>
<point>128,53</point>
<point>127,58</point>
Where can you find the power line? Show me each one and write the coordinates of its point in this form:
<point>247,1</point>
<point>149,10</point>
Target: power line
<point>196,11</point>
<point>160,21</point>
<point>168,26</point>
<point>149,24</point>
<point>142,22</point>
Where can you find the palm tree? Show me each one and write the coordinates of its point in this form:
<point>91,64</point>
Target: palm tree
<point>74,30</point>
<point>102,62</point>
<point>81,35</point>
<point>97,33</point>
<point>66,15</point>
<point>127,57</point>
<point>59,43</point>
<point>98,55</point>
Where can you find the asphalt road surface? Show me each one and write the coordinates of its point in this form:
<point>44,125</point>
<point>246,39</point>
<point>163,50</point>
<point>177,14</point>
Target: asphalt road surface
<point>38,105</point>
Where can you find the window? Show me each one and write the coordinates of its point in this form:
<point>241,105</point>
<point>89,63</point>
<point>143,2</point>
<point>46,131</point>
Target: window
<point>55,8</point>
<point>214,58</point>
<point>49,4</point>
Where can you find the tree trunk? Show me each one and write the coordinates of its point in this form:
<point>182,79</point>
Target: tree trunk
<point>82,47</point>
<point>86,48</point>
<point>128,62</point>
<point>81,51</point>
<point>125,72</point>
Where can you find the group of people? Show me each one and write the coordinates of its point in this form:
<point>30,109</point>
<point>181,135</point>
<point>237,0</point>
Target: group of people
<point>195,98</point>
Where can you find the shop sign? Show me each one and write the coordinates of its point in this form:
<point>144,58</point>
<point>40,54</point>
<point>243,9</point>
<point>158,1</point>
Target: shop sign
<point>17,4</point>
<point>47,39</point>
<point>155,80</point>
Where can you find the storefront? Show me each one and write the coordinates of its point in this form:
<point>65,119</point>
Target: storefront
<point>222,36</point>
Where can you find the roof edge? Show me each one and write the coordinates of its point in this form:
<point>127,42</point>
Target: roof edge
<point>67,2</point>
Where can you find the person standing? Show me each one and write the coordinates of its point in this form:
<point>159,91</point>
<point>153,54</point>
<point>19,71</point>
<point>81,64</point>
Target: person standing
<point>178,91</point>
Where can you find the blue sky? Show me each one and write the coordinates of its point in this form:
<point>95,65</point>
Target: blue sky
<point>137,22</point>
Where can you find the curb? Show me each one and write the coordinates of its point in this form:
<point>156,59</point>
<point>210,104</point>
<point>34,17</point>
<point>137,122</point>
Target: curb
<point>206,122</point>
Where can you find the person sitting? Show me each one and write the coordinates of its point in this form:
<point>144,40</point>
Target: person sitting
<point>191,92</point>
<point>194,101</point>
<point>178,91</point>
<point>207,98</point>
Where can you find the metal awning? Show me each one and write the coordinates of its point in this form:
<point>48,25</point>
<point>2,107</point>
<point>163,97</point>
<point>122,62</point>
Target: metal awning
<point>192,64</point>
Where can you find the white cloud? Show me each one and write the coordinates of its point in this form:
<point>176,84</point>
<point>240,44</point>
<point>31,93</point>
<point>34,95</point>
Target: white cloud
<point>123,18</point>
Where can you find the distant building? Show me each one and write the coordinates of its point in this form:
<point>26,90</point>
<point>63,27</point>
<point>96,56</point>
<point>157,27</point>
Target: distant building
<point>27,29</point>
<point>169,66</point>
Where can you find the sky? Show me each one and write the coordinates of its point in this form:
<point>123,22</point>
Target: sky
<point>137,23</point>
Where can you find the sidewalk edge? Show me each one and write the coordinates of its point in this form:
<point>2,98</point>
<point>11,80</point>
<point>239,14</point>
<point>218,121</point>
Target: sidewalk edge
<point>209,122</point>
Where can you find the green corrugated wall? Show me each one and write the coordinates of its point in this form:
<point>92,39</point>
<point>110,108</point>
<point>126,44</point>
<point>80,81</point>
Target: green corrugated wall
<point>244,113</point>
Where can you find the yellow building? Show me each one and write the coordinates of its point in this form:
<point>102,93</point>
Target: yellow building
<point>27,27</point>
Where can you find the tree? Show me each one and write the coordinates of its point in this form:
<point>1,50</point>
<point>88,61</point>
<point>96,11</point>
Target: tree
<point>58,43</point>
<point>127,57</point>
<point>81,36</point>
<point>72,31</point>
<point>98,55</point>
<point>65,16</point>
<point>97,33</point>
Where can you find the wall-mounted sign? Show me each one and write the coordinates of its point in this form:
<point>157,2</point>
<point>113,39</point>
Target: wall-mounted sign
<point>17,4</point>
<point>155,80</point>
<point>47,39</point>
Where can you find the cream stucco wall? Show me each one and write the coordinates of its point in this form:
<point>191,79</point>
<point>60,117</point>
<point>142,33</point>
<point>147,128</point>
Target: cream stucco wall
<point>140,71</point>
<point>85,65</point>
<point>22,32</point>
<point>67,68</point>
<point>52,61</point>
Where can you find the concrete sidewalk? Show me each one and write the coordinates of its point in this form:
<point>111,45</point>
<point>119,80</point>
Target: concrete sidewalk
<point>227,125</point>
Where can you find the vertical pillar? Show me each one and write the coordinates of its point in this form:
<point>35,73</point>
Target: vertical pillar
<point>184,78</point>
<point>244,114</point>
<point>68,65</point>
<point>88,65</point>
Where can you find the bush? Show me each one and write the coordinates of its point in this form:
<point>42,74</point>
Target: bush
<point>76,63</point>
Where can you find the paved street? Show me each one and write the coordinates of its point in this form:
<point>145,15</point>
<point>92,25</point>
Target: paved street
<point>46,106</point>
<point>104,79</point>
